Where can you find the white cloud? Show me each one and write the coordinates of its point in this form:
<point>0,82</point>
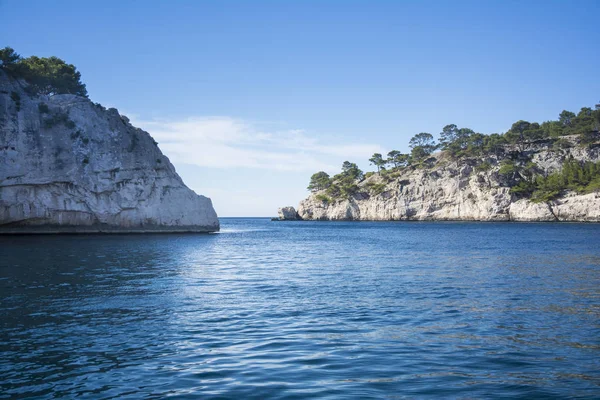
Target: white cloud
<point>224,142</point>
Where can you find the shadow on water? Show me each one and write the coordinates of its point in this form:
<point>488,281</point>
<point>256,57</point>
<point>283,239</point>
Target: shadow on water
<point>69,300</point>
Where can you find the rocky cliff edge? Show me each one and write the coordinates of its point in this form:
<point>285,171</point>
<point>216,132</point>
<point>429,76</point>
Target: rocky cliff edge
<point>69,165</point>
<point>458,191</point>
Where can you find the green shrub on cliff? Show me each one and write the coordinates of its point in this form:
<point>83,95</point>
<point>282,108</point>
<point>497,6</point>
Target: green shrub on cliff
<point>8,59</point>
<point>376,188</point>
<point>508,169</point>
<point>319,181</point>
<point>343,185</point>
<point>14,96</point>
<point>45,75</point>
<point>343,189</point>
<point>350,170</point>
<point>397,159</point>
<point>528,181</point>
<point>323,198</point>
<point>422,145</point>
<point>59,118</point>
<point>483,167</point>
<point>574,175</point>
<point>378,161</point>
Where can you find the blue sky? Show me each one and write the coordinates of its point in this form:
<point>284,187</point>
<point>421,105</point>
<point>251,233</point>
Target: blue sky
<point>248,99</point>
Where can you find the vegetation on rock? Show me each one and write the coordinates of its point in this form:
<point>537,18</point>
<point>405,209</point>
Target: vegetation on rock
<point>574,175</point>
<point>319,181</point>
<point>59,118</point>
<point>512,151</point>
<point>324,198</point>
<point>45,75</point>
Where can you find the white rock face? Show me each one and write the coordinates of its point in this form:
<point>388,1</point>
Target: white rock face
<point>77,167</point>
<point>456,191</point>
<point>526,211</point>
<point>577,208</point>
<point>288,214</point>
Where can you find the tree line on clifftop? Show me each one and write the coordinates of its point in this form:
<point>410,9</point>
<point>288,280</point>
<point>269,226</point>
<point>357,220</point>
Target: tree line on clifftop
<point>45,75</point>
<point>511,150</point>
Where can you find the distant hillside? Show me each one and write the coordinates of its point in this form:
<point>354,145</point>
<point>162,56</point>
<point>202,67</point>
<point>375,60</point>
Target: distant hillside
<point>533,172</point>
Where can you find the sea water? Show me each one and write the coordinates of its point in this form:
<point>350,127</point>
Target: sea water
<point>304,310</point>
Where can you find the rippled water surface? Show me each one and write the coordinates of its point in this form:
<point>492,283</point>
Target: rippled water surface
<point>304,310</point>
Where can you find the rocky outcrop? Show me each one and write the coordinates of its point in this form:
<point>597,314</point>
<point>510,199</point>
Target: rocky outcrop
<point>288,214</point>
<point>526,211</point>
<point>457,191</point>
<point>69,165</point>
<point>577,208</point>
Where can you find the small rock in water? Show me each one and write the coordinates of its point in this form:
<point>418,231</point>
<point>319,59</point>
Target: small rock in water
<point>288,214</point>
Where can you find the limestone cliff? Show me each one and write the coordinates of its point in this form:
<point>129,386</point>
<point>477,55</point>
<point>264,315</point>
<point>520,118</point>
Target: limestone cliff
<point>69,165</point>
<point>458,190</point>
